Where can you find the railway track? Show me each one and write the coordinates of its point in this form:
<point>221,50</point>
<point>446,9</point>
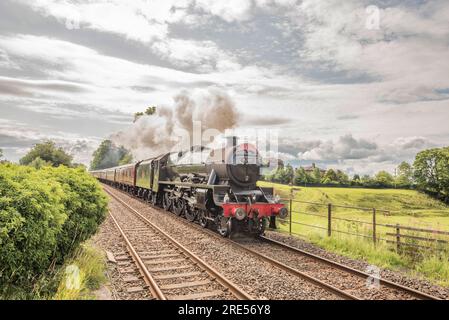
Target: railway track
<point>170,270</point>
<point>343,281</point>
<point>333,264</point>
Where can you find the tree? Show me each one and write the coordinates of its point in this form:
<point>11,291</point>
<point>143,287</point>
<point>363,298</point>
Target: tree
<point>342,177</point>
<point>109,155</point>
<point>316,175</point>
<point>330,177</point>
<point>302,177</point>
<point>384,179</point>
<point>127,158</point>
<point>1,153</point>
<point>149,111</point>
<point>431,171</point>
<point>356,180</point>
<point>38,163</point>
<point>284,175</point>
<point>367,181</point>
<point>405,174</point>
<point>48,152</point>
<point>289,173</point>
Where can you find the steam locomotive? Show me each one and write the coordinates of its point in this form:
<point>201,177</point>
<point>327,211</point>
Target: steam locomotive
<point>216,187</point>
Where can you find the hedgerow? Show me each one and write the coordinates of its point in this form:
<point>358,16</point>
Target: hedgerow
<point>44,215</point>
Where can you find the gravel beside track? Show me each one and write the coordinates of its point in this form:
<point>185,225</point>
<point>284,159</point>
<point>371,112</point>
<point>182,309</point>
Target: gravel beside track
<point>109,239</point>
<point>258,278</point>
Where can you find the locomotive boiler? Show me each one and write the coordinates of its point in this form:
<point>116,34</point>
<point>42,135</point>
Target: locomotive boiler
<point>216,187</point>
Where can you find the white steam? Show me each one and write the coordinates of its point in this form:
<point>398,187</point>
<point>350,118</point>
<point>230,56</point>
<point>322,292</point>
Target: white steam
<point>153,135</point>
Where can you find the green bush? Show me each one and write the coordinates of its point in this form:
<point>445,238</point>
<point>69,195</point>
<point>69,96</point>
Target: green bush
<point>44,215</point>
<point>85,206</point>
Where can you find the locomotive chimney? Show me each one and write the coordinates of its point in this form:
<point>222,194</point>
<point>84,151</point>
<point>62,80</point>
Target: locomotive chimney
<point>231,143</point>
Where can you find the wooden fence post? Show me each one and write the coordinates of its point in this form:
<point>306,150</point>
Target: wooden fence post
<point>290,220</point>
<point>398,238</point>
<point>374,226</point>
<point>329,219</point>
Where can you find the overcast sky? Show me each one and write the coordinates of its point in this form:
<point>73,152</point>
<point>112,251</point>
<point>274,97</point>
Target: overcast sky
<point>346,90</point>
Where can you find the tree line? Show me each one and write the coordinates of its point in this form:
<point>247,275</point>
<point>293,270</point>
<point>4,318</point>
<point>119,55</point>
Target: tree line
<point>48,154</point>
<point>382,179</point>
<point>429,172</point>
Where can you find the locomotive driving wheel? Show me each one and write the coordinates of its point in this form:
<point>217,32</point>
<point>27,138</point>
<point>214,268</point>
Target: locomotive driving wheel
<point>224,226</point>
<point>190,213</point>
<point>154,197</point>
<point>149,197</point>
<point>204,222</point>
<point>166,201</point>
<point>178,206</point>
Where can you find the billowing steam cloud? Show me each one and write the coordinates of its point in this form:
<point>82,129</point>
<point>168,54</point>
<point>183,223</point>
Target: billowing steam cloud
<point>153,135</point>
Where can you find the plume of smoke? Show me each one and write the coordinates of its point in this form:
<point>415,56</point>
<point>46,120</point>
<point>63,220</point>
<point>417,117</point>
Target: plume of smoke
<point>153,135</point>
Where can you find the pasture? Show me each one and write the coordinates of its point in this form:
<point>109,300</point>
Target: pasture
<point>352,229</point>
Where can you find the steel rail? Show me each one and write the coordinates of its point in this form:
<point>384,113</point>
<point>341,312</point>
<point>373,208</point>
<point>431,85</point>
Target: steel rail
<point>258,255</point>
<point>387,283</point>
<point>415,293</point>
<point>148,278</point>
<point>234,289</point>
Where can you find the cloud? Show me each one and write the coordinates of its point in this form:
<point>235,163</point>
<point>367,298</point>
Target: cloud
<point>264,120</point>
<point>412,143</point>
<point>29,88</point>
<point>230,10</point>
<point>205,56</point>
<point>346,147</point>
<point>308,67</point>
<point>362,156</point>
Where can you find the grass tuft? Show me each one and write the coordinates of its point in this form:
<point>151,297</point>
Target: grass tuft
<point>82,275</point>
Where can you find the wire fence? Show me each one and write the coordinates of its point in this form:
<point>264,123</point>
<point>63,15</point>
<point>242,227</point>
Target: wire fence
<point>330,219</point>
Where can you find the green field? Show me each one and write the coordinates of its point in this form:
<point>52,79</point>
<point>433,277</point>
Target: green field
<point>405,207</point>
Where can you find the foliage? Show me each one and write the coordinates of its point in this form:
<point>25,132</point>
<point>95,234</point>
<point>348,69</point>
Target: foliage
<point>282,175</point>
<point>128,158</point>
<point>434,267</point>
<point>431,171</point>
<point>330,177</point>
<point>84,203</point>
<point>109,155</point>
<point>38,163</point>
<point>44,215</point>
<point>384,179</point>
<point>405,174</point>
<point>148,112</point>
<point>48,152</point>
<point>90,263</point>
<point>302,177</point>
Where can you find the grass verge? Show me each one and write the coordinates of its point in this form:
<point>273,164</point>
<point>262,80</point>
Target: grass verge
<point>433,267</point>
<point>82,274</point>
